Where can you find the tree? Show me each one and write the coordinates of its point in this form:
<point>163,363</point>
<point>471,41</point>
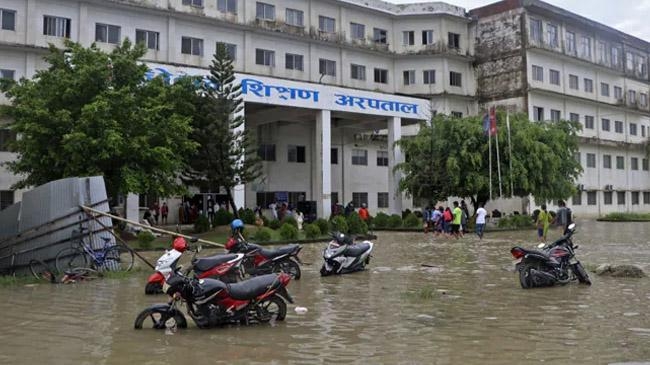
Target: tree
<point>450,157</point>
<point>227,154</point>
<point>91,113</point>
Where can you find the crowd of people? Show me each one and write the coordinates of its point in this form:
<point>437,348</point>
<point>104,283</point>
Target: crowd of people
<point>452,221</point>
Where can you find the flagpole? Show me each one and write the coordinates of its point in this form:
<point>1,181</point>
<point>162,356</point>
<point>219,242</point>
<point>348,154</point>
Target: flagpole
<point>496,137</point>
<point>510,152</point>
<point>490,155</point>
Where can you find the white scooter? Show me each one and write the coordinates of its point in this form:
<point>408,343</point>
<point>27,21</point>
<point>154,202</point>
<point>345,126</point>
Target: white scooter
<point>343,256</point>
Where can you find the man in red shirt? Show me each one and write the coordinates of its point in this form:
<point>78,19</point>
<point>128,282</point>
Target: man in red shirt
<point>363,213</point>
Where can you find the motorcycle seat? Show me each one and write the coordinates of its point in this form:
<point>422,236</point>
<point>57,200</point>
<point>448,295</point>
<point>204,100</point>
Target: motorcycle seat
<point>278,251</point>
<point>254,286</point>
<point>206,263</point>
<point>356,250</point>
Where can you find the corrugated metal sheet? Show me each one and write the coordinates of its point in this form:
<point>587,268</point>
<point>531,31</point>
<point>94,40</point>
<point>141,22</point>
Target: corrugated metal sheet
<point>43,223</point>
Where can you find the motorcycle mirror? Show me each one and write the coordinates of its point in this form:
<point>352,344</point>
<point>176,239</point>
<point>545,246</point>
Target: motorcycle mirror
<point>572,226</point>
<point>541,245</point>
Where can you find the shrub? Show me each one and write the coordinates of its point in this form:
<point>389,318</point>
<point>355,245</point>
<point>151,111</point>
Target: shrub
<point>628,216</point>
<point>274,224</point>
<point>323,225</point>
<point>265,221</point>
<point>338,223</point>
<point>405,213</point>
<point>263,234</point>
<point>202,224</point>
<point>290,220</point>
<point>145,238</point>
<point>381,220</point>
<point>394,221</point>
<point>412,221</point>
<point>355,224</point>
<point>312,230</point>
<point>247,215</point>
<point>516,221</point>
<point>288,231</point>
<point>222,217</point>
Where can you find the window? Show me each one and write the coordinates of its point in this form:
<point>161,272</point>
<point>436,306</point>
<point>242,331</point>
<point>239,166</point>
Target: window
<point>646,197</point>
<point>427,37</point>
<point>231,49</point>
<point>577,199</point>
<point>266,152</point>
<point>634,163</point>
<point>631,96</point>
<point>382,158</point>
<point>643,99</point>
<point>7,74</point>
<point>589,122</point>
<point>359,198</point>
<point>644,164</point>
<point>635,198</point>
<point>618,126</point>
<point>641,65</point>
<point>381,76</point>
<point>265,11</point>
<point>295,17</point>
<point>296,153</point>
<point>408,38</point>
<point>616,57</point>
<point>382,200</point>
<point>326,24</point>
<point>642,131</point>
<point>538,73</point>
<point>429,77</point>
<point>6,199</point>
<point>620,163</point>
<point>551,31</point>
<point>456,114</point>
<point>554,77</point>
<point>454,40</point>
<point>538,113</point>
<point>409,77</point>
<point>607,161</point>
<point>197,3</point>
<point>591,160</point>
<point>380,35</point>
<point>357,72</point>
<point>602,53</point>
<point>326,67</point>
<point>192,46</point>
<point>360,157</point>
<point>618,93</point>
<point>585,47</point>
<point>620,197</point>
<point>293,62</point>
<point>555,115</point>
<point>357,31</point>
<point>455,78</point>
<point>7,136</point>
<point>264,57</point>
<point>633,129</point>
<point>334,156</point>
<point>604,89</point>
<point>7,20</point>
<point>227,6</point>
<point>574,117</point>
<point>536,30</point>
<point>573,82</point>
<point>56,26</point>
<point>607,196</point>
<point>570,43</point>
<point>629,61</point>
<point>605,125</point>
<point>591,198</point>
<point>107,33</point>
<point>150,39</point>
<point>589,85</point>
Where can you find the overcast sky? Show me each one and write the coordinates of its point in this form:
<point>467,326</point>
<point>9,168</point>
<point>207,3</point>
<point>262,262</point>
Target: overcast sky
<point>625,15</point>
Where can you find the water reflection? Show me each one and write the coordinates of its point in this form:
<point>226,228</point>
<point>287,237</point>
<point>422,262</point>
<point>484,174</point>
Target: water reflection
<point>474,312</point>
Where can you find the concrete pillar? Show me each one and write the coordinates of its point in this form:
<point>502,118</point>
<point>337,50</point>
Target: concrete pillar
<point>322,184</point>
<point>132,211</point>
<point>394,157</point>
<point>239,191</point>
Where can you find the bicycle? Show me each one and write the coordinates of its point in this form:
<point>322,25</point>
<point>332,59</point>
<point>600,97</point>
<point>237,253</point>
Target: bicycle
<point>42,272</point>
<point>108,258</point>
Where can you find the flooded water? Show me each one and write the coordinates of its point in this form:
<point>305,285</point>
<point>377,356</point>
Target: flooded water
<point>464,307</point>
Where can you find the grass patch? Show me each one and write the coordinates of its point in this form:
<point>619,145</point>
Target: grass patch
<point>424,293</point>
<point>627,217</point>
<point>10,280</point>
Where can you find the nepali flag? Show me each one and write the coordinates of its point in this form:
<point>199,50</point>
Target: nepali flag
<point>493,121</point>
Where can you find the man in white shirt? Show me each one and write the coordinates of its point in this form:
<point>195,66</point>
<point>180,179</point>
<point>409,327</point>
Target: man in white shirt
<point>481,213</point>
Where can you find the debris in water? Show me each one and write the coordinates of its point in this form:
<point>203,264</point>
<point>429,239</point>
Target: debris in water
<point>301,310</point>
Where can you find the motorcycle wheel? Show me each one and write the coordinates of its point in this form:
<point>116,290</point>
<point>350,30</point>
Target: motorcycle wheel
<point>156,318</point>
<point>153,288</point>
<point>290,267</point>
<point>525,278</point>
<point>581,274</point>
<point>270,308</point>
<point>323,271</point>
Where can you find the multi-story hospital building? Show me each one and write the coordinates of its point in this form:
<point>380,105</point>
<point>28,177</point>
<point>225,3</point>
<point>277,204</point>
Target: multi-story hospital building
<point>329,85</point>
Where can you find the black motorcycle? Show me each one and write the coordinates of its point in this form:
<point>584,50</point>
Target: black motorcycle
<point>261,261</point>
<point>553,264</point>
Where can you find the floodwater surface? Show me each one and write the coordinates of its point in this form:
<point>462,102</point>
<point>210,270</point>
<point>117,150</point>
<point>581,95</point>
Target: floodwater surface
<point>464,306</point>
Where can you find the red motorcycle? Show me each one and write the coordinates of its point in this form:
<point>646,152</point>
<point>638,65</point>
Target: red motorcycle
<point>260,261</point>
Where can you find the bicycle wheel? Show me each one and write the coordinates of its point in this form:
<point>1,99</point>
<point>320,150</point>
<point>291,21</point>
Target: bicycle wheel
<point>70,258</point>
<point>80,274</point>
<point>118,258</point>
<point>41,271</point>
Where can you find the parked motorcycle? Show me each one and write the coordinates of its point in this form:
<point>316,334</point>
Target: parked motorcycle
<point>260,261</point>
<point>554,263</point>
<point>211,302</point>
<point>343,256</point>
<point>226,268</point>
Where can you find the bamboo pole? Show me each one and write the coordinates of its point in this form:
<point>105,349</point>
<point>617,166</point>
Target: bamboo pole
<point>155,229</point>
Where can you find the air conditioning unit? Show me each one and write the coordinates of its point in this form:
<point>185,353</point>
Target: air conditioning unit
<point>609,187</point>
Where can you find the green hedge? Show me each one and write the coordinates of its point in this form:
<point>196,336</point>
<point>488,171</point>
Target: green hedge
<point>412,221</point>
<point>312,230</point>
<point>263,234</point>
<point>627,217</point>
<point>516,221</point>
<point>323,225</point>
<point>339,223</point>
<point>202,224</point>
<point>288,231</point>
<point>222,217</point>
<point>380,220</point>
<point>394,221</point>
<point>355,224</point>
